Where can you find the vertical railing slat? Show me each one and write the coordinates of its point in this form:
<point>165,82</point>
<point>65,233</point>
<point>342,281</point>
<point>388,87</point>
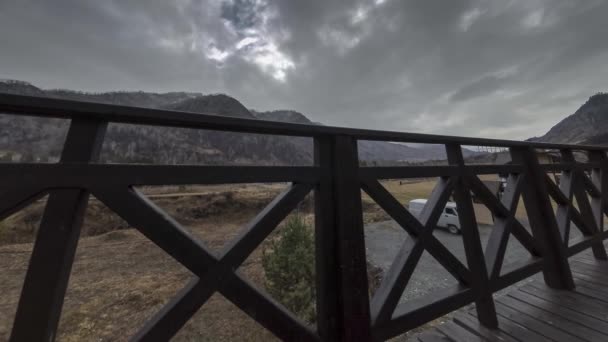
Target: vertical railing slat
<point>340,211</point>
<point>543,224</point>
<point>484,303</point>
<point>326,261</point>
<point>50,265</point>
<point>598,178</point>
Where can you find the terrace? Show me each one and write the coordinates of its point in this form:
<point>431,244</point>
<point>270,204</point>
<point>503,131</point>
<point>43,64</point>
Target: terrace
<point>568,302</point>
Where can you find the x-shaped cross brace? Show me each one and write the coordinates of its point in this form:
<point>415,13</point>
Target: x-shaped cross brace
<point>388,294</point>
<point>505,221</point>
<point>213,273</point>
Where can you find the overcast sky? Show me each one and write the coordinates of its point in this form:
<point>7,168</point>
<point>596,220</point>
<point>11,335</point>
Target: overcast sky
<point>500,69</point>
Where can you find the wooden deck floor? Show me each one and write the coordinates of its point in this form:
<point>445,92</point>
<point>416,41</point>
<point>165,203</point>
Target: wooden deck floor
<point>534,312</point>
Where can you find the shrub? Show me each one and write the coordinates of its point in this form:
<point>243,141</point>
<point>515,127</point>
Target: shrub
<point>289,264</point>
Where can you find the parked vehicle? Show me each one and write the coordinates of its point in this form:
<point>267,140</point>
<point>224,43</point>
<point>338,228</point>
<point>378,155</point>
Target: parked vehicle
<point>448,219</point>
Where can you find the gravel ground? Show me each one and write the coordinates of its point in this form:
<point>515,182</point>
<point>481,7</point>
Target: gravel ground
<point>384,239</point>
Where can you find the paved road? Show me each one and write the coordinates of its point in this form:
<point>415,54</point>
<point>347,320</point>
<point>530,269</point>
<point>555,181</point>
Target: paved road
<point>384,239</point>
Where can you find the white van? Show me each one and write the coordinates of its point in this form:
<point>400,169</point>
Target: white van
<point>448,219</point>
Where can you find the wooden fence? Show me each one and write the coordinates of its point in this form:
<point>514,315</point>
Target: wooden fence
<point>344,310</point>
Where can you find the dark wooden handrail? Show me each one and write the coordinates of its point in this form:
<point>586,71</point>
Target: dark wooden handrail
<point>344,311</point>
<point>58,108</point>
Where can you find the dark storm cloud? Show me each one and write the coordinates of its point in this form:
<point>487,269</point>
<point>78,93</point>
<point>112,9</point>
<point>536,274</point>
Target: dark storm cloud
<point>243,14</point>
<point>477,67</point>
<point>483,86</point>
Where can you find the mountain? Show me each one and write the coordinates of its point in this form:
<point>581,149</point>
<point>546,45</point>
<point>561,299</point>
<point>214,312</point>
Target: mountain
<point>283,116</point>
<point>40,139</point>
<point>378,151</point>
<point>218,104</point>
<point>588,125</point>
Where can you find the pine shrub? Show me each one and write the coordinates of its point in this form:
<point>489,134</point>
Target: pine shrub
<point>289,264</point>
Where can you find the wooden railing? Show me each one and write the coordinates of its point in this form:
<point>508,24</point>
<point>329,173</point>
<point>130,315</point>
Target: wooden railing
<point>344,309</point>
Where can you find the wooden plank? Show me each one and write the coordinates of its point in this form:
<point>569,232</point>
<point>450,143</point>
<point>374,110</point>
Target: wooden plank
<point>590,260</point>
<point>562,311</point>
<point>599,181</point>
<point>251,236</point>
<point>600,289</point>
<point>575,303</point>
<point>17,197</point>
<point>517,271</point>
<point>596,265</point>
<point>582,288</point>
<point>599,276</point>
<point>355,317</point>
<point>584,207</point>
<point>555,192</point>
<point>504,211</point>
<point>523,236</point>
<point>258,305</point>
<point>590,225</point>
<point>599,269</point>
<point>414,228</point>
<point>587,257</point>
<point>504,207</point>
<point>564,212</point>
<point>81,175</point>
<point>50,265</point>
<point>458,333</point>
<point>577,331</point>
<point>472,244</point>
<point>556,270</point>
<point>542,328</point>
<point>472,324</point>
<point>573,296</point>
<point>482,169</point>
<point>591,268</point>
<point>592,276</point>
<point>581,243</point>
<point>395,280</point>
<point>167,233</point>
<point>398,172</point>
<point>159,227</point>
<point>497,246</point>
<point>557,167</point>
<point>265,310</point>
<point>219,276</point>
<point>587,268</point>
<point>592,187</point>
<point>173,315</point>
<point>588,279</point>
<point>326,260</point>
<point>432,336</point>
<point>49,107</point>
<point>517,331</point>
<point>413,313</point>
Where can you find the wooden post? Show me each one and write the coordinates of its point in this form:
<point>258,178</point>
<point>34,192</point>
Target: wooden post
<point>556,269</point>
<point>600,181</point>
<point>50,265</point>
<point>326,261</point>
<point>486,311</point>
<point>588,214</point>
<point>342,286</point>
